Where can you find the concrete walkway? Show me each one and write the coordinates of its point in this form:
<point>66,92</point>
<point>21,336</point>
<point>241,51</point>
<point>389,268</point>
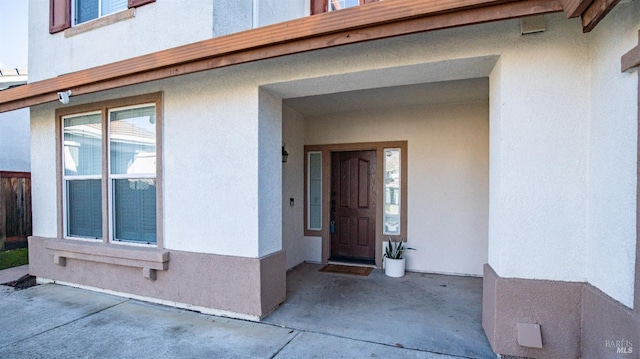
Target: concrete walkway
<point>15,273</point>
<point>55,321</point>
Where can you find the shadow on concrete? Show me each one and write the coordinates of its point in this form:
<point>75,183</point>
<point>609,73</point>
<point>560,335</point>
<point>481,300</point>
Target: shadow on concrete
<point>425,312</point>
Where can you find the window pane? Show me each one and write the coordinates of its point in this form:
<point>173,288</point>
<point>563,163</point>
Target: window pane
<point>314,197</point>
<point>84,208</point>
<point>111,6</point>
<point>392,191</point>
<point>82,145</point>
<point>86,10</point>
<point>133,141</point>
<point>134,202</point>
<point>342,4</point>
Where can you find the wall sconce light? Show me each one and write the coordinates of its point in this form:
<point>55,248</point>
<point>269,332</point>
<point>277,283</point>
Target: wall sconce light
<point>285,154</point>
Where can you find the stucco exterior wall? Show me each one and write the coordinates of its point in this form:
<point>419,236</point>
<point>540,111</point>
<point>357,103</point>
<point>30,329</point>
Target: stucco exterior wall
<point>43,170</point>
<point>293,187</point>
<point>269,173</point>
<point>613,133</point>
<point>448,149</point>
<point>210,177</point>
<point>275,11</point>
<point>14,141</point>
<point>156,26</point>
<point>539,156</point>
<point>540,150</point>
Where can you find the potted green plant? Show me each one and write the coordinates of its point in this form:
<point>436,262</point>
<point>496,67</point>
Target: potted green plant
<point>394,261</point>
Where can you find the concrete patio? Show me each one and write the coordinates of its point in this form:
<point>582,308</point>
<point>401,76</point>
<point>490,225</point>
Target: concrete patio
<point>325,316</point>
<point>424,312</point>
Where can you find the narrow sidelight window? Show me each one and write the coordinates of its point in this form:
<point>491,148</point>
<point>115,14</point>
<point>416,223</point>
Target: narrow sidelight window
<point>314,188</point>
<point>392,210</point>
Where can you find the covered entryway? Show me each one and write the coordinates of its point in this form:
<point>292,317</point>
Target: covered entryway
<point>439,201</point>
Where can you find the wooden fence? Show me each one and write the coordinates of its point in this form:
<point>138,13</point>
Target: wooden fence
<point>15,209</point>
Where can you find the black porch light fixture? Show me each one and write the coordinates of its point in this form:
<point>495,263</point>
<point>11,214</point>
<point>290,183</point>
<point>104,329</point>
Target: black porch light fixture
<point>285,154</point>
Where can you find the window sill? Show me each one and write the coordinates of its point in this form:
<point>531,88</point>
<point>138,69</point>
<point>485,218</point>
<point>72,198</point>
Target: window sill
<point>100,22</point>
<point>149,259</point>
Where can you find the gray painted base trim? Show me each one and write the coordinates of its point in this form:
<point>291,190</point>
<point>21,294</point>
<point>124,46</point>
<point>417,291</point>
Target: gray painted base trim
<point>251,287</point>
<point>609,329</point>
<point>576,319</point>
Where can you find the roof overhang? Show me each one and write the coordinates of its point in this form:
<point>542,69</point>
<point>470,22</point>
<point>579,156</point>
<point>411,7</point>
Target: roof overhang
<point>374,21</point>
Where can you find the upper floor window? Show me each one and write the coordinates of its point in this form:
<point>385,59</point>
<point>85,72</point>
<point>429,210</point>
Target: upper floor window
<point>86,10</point>
<point>342,4</point>
<point>320,6</point>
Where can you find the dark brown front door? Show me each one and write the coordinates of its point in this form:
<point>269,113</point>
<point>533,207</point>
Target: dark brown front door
<point>353,205</point>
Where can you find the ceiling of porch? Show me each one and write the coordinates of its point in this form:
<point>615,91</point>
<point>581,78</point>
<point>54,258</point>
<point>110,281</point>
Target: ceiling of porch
<point>456,91</point>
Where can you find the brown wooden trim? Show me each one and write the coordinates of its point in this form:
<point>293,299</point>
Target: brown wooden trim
<point>104,106</point>
<point>596,12</point>
<point>100,22</point>
<point>326,189</point>
<point>136,3</point>
<point>319,6</point>
<point>10,174</point>
<point>106,210</point>
<point>575,8</point>
<point>353,25</point>
<point>59,174</point>
<point>3,219</point>
<point>636,296</point>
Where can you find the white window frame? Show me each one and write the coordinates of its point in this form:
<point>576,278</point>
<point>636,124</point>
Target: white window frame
<point>66,178</point>
<point>111,177</point>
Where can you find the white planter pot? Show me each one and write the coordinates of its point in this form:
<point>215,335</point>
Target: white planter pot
<point>394,267</point>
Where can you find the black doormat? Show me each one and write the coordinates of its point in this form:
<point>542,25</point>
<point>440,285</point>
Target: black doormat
<point>336,268</point>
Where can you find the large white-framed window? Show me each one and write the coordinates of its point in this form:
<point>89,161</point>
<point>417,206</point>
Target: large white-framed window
<point>109,165</point>
<point>87,10</point>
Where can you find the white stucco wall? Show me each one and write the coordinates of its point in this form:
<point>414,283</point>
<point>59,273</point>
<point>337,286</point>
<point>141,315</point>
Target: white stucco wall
<point>539,155</point>
<point>156,26</point>
<point>613,135</point>
<point>14,141</point>
<point>274,11</point>
<point>448,149</point>
<point>269,173</point>
<point>211,160</point>
<point>293,187</point>
<point>232,16</point>
<point>43,171</point>
<point>540,138</point>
